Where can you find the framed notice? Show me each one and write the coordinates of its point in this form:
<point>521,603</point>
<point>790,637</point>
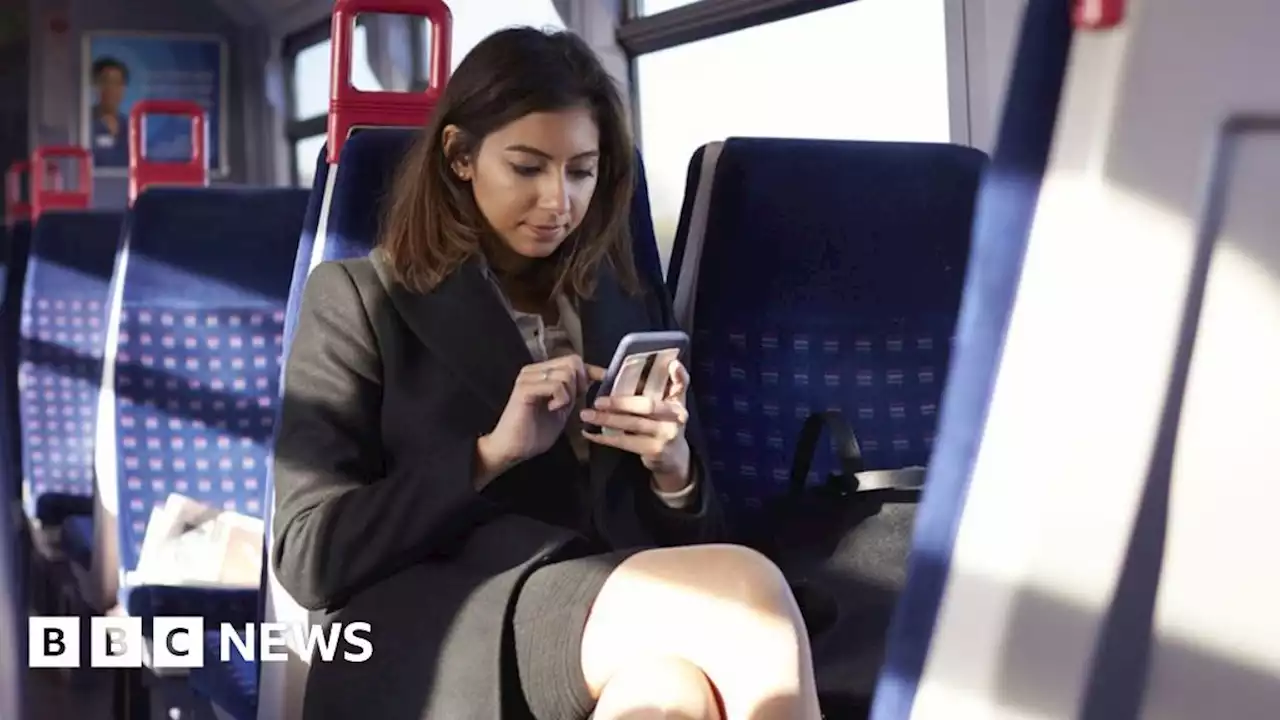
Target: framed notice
<point>119,69</point>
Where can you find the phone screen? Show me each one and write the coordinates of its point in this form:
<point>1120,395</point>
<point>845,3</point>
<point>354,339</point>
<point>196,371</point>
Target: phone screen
<point>645,374</point>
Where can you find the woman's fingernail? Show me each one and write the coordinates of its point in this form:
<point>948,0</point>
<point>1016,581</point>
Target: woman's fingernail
<point>602,403</point>
<point>588,415</point>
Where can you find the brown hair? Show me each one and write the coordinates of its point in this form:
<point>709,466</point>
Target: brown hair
<point>432,225</point>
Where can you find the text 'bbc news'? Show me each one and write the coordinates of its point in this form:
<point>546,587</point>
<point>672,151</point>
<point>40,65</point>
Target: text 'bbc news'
<point>182,642</point>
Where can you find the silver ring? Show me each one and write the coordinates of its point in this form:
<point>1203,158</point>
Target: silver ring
<point>546,374</point>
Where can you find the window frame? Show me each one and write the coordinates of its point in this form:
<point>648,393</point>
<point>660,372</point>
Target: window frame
<point>296,129</point>
<point>639,34</point>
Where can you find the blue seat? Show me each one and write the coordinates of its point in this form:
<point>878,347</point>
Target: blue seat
<point>347,228</point>
<point>15,264</point>
<point>77,539</point>
<point>830,280</point>
<point>64,317</point>
<point>1002,225</point>
<point>204,278</point>
<point>233,686</point>
<point>643,237</point>
<point>363,175</point>
<point>686,249</point>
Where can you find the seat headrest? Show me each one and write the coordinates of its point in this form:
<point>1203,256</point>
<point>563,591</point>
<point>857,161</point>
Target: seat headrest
<point>212,246</point>
<point>364,176</point>
<point>73,252</point>
<point>817,223</point>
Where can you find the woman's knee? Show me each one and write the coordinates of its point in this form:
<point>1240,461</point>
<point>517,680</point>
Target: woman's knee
<point>718,572</point>
<point>721,607</point>
<point>660,688</point>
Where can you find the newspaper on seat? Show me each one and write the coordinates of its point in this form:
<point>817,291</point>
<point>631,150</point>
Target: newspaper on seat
<point>190,543</point>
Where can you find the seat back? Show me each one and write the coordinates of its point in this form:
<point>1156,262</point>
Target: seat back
<point>830,279</point>
<point>17,254</point>
<point>355,192</point>
<point>194,363</point>
<point>1107,482</point>
<point>643,237</point>
<point>1005,211</point>
<point>64,313</point>
<point>691,232</point>
<point>350,203</point>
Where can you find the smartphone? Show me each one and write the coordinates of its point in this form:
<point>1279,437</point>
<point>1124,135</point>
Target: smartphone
<point>639,367</point>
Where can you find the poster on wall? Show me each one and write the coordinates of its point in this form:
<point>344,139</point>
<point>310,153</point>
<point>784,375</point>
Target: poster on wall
<point>122,68</point>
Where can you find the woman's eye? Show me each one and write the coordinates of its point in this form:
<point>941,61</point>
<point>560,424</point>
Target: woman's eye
<point>582,174</point>
<point>527,170</point>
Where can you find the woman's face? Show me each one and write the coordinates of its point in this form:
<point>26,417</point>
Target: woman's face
<point>533,179</point>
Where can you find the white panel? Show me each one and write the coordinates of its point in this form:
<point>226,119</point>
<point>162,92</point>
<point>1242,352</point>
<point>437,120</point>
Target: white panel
<point>1081,386</point>
<point>990,37</point>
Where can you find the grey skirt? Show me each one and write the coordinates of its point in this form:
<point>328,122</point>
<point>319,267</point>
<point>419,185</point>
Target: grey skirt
<point>550,615</point>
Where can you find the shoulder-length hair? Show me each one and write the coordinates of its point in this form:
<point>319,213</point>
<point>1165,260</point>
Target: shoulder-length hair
<point>432,225</point>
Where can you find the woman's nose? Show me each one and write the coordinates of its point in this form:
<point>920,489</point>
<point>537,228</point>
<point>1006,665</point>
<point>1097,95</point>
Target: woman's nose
<point>554,193</point>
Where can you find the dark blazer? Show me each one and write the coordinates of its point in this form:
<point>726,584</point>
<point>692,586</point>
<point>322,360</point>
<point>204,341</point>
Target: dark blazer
<point>376,517</point>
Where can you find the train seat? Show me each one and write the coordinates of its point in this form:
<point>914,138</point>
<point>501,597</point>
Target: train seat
<point>72,256</point>
<point>232,686</point>
<point>830,279</point>
<point>194,370</point>
<point>644,242</point>
<point>691,230</point>
<point>1002,224</point>
<point>15,266</point>
<point>354,191</point>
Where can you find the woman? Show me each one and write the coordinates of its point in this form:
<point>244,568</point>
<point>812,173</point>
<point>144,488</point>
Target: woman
<point>433,477</point>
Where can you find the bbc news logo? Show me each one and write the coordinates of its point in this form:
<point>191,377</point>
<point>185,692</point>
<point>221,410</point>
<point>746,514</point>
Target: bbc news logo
<point>179,642</point>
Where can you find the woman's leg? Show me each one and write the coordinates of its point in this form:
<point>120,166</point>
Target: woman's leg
<point>724,609</point>
<point>661,689</point>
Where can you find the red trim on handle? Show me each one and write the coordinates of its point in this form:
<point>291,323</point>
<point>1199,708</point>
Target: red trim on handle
<point>15,208</point>
<point>144,172</point>
<point>43,197</point>
<point>1097,14</point>
<point>350,108</point>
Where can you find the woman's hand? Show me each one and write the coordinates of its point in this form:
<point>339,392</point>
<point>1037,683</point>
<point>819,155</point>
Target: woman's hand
<point>654,427</point>
<point>541,400</point>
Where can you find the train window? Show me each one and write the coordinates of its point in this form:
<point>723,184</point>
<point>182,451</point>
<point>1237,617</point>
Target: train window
<point>869,70</point>
<point>474,21</point>
<point>311,74</point>
<point>307,59</point>
<point>305,152</point>
<point>653,7</point>
<point>311,81</point>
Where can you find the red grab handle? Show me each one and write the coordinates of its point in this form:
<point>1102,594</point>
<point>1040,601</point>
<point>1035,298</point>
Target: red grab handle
<point>1097,14</point>
<point>45,198</point>
<point>350,108</point>
<point>144,172</point>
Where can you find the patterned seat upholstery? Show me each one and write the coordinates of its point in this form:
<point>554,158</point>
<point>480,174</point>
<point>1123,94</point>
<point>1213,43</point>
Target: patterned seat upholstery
<point>233,686</point>
<point>196,366</point>
<point>64,314</point>
<point>830,279</point>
